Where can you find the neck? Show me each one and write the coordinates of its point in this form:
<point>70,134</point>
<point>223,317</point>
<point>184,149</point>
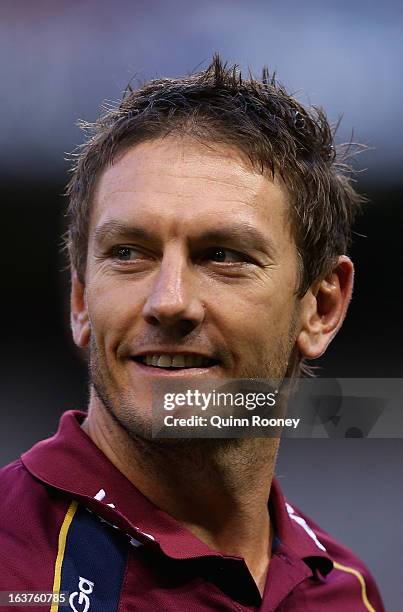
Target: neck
<point>224,484</point>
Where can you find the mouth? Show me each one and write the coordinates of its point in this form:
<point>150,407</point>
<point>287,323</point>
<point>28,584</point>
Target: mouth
<point>175,361</point>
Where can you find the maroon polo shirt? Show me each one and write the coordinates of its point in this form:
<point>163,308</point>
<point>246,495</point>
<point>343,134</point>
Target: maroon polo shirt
<point>70,521</point>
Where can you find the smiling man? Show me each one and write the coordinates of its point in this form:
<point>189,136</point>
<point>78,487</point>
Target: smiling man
<point>209,224</point>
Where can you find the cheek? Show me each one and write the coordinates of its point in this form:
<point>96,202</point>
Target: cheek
<point>113,309</point>
<point>260,319</point>
<point>253,319</point>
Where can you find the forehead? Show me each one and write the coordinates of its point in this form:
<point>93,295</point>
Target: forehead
<point>181,182</point>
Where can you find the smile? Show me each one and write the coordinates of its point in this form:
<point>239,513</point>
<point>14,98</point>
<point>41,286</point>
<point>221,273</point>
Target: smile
<point>175,361</point>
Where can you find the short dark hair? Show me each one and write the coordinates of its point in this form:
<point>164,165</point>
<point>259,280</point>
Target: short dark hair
<point>275,131</point>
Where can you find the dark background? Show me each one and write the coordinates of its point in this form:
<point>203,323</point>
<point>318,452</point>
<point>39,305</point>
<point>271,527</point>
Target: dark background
<point>59,61</point>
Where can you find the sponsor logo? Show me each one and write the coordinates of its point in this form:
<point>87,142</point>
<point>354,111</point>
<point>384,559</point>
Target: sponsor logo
<point>81,598</point>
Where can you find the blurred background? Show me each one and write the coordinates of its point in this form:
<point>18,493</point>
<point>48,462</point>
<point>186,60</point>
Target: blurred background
<point>59,61</point>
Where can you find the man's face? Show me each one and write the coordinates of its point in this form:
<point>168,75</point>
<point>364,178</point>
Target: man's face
<point>190,263</point>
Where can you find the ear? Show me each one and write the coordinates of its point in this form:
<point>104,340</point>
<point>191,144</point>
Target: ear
<point>323,309</point>
<point>79,320</point>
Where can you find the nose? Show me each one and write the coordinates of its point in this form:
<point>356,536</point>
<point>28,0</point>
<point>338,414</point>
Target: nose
<point>172,302</point>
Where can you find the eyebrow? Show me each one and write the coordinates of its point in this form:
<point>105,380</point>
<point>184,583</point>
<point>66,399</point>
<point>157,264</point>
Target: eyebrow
<point>115,229</point>
<point>245,234</point>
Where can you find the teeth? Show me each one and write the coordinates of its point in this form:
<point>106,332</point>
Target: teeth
<point>174,361</point>
<point>194,361</point>
<point>178,361</point>
<point>165,361</point>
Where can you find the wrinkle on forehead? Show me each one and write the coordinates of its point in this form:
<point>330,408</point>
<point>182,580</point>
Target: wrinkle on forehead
<point>192,159</point>
<point>189,170</point>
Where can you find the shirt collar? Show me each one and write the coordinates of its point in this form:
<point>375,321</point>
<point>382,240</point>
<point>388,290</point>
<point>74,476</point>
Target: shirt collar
<point>294,534</point>
<point>71,462</point>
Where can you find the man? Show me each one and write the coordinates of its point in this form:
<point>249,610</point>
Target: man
<point>209,221</point>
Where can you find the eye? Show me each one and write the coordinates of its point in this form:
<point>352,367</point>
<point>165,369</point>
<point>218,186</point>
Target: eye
<point>221,255</point>
<point>126,253</point>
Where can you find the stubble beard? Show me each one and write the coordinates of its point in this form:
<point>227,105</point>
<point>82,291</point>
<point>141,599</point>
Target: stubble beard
<point>122,409</point>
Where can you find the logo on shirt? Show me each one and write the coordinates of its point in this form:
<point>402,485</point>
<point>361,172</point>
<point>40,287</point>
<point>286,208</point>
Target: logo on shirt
<point>302,522</point>
<point>81,597</point>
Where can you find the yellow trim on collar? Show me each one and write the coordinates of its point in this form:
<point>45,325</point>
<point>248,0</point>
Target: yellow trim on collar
<point>360,578</point>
